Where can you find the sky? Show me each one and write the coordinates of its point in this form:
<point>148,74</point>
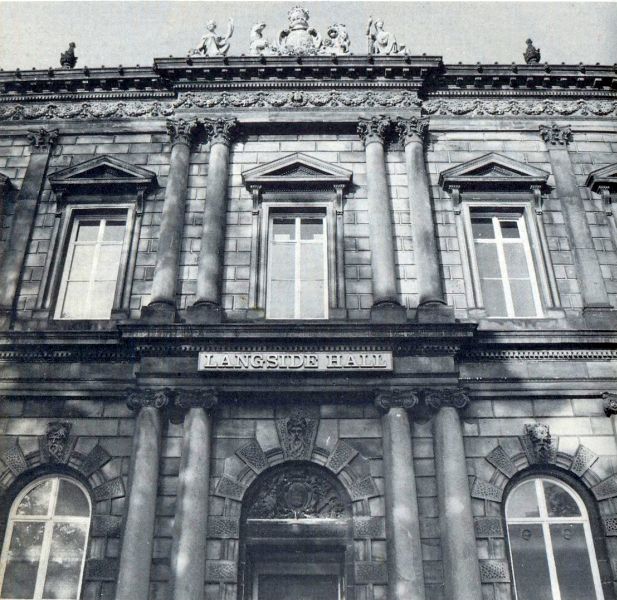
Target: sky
<point>131,32</point>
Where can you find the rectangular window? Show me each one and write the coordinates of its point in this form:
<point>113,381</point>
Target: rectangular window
<point>91,267</point>
<point>504,264</point>
<point>297,272</point>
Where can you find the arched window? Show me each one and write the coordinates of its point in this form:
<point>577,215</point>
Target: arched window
<point>551,544</point>
<point>45,543</point>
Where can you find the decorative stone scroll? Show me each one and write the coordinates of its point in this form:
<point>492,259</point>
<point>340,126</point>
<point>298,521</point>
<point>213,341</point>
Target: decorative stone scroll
<point>156,398</point>
<point>396,398</point>
<point>455,398</point>
<point>206,398</point>
<point>556,135</point>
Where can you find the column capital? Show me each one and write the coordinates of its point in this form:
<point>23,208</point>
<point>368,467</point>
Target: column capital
<point>221,131</point>
<point>396,398</point>
<point>412,129</point>
<point>201,398</point>
<point>42,140</point>
<point>610,403</point>
<point>455,398</point>
<point>142,398</point>
<point>374,129</point>
<point>181,131</point>
<point>556,135</point>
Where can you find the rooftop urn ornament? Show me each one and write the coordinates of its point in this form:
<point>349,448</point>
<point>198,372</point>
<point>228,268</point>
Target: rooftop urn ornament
<point>380,41</point>
<point>298,38</point>
<point>337,40</point>
<point>68,60</point>
<point>213,44</point>
<point>531,55</point>
<point>259,45</point>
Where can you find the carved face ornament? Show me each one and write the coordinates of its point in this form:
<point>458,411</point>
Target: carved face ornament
<point>297,428</point>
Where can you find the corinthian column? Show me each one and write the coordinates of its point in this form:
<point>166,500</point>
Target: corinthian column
<point>405,571</point>
<point>413,132</point>
<point>207,307</point>
<point>137,540</point>
<point>188,552</point>
<point>162,305</point>
<point>458,540</point>
<point>42,142</point>
<point>588,272</point>
<point>386,305</point>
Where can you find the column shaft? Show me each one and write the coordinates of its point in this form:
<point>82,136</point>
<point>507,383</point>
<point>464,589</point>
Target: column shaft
<point>137,540</point>
<point>188,554</point>
<point>460,555</point>
<point>405,571</point>
<point>426,252</point>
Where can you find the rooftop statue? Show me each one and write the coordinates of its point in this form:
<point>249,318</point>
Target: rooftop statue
<point>213,44</point>
<point>337,40</point>
<point>258,43</point>
<point>68,60</point>
<point>380,41</point>
<point>298,38</point>
<point>531,55</point>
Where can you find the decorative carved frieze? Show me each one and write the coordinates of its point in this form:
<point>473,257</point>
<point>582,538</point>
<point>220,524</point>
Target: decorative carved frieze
<point>14,459</point>
<point>297,431</point>
<point>142,398</point>
<point>221,131</point>
<point>500,459</point>
<point>42,140</point>
<point>296,492</point>
<point>538,444</point>
<point>57,443</point>
<point>455,398</point>
<point>494,571</point>
<point>530,108</point>
<point>206,398</point>
<point>412,129</point>
<point>610,403</point>
<point>556,135</point>
<point>582,460</point>
<point>396,398</point>
<point>253,455</point>
<point>341,456</point>
<point>374,129</point>
<point>181,131</point>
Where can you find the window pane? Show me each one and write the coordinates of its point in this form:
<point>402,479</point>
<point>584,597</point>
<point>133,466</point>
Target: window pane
<point>494,299</point>
<point>23,560</point>
<point>36,501</point>
<point>488,263</point>
<point>281,300</point>
<point>312,265</point>
<point>75,306</point>
<point>311,229</point>
<point>482,228</point>
<point>559,502</point>
<point>102,299</point>
<point>108,263</point>
<point>88,231</point>
<point>71,501</point>
<point>283,230</point>
<point>509,229</point>
<point>516,260</point>
<point>81,265</point>
<point>63,569</point>
<point>282,261</point>
<point>522,298</point>
<point>529,562</point>
<point>572,561</point>
<point>523,502</point>
<point>114,231</point>
<point>312,300</point>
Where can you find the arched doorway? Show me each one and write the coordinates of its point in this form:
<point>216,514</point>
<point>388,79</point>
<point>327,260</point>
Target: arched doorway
<point>296,536</point>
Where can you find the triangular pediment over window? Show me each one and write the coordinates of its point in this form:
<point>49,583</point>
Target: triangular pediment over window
<point>493,171</point>
<point>606,178</point>
<point>296,170</point>
<point>102,171</point>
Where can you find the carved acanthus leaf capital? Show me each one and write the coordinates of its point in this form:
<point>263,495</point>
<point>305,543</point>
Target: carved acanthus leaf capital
<point>455,398</point>
<point>374,129</point>
<point>556,135</point>
<point>202,398</point>
<point>221,131</point>
<point>181,131</point>
<point>396,398</point>
<point>143,398</point>
<point>42,140</point>
<point>610,403</point>
<point>412,129</point>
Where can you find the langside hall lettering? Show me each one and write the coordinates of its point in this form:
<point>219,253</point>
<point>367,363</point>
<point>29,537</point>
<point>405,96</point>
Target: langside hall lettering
<point>295,361</point>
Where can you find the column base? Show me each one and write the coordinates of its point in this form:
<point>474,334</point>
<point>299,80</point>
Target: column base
<point>388,312</point>
<point>435,311</point>
<point>159,312</point>
<point>205,313</point>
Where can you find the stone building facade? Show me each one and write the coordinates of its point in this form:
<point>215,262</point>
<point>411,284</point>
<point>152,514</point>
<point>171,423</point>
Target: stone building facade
<point>309,326</point>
